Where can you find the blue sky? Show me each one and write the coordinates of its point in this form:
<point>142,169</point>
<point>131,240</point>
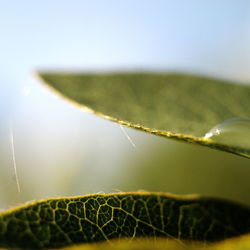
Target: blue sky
<point>206,36</point>
<point>209,37</point>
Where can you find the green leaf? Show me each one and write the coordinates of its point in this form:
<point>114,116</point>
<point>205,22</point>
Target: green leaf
<point>182,107</point>
<point>93,218</point>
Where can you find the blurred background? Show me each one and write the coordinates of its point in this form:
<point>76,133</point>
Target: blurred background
<point>61,150</point>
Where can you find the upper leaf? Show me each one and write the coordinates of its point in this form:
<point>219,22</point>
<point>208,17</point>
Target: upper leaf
<point>92,218</point>
<point>178,106</point>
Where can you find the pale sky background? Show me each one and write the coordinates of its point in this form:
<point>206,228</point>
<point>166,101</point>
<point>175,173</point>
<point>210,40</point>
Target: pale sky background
<point>59,149</point>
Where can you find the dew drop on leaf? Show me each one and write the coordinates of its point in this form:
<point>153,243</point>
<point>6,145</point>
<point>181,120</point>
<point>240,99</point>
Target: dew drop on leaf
<point>234,132</point>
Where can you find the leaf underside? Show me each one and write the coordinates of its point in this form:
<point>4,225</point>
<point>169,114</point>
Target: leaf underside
<point>93,218</point>
<point>178,106</point>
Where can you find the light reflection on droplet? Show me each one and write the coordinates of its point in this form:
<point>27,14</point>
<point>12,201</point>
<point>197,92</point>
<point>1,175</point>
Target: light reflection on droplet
<point>234,132</point>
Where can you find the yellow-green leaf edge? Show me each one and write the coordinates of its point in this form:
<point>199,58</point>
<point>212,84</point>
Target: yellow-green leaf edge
<point>238,243</point>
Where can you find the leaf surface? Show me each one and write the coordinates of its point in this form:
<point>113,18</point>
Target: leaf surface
<point>92,218</point>
<point>183,107</point>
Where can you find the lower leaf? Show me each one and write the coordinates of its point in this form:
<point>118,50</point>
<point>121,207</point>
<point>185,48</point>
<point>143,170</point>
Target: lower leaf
<point>101,217</point>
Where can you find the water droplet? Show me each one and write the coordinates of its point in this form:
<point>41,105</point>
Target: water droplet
<point>234,132</point>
